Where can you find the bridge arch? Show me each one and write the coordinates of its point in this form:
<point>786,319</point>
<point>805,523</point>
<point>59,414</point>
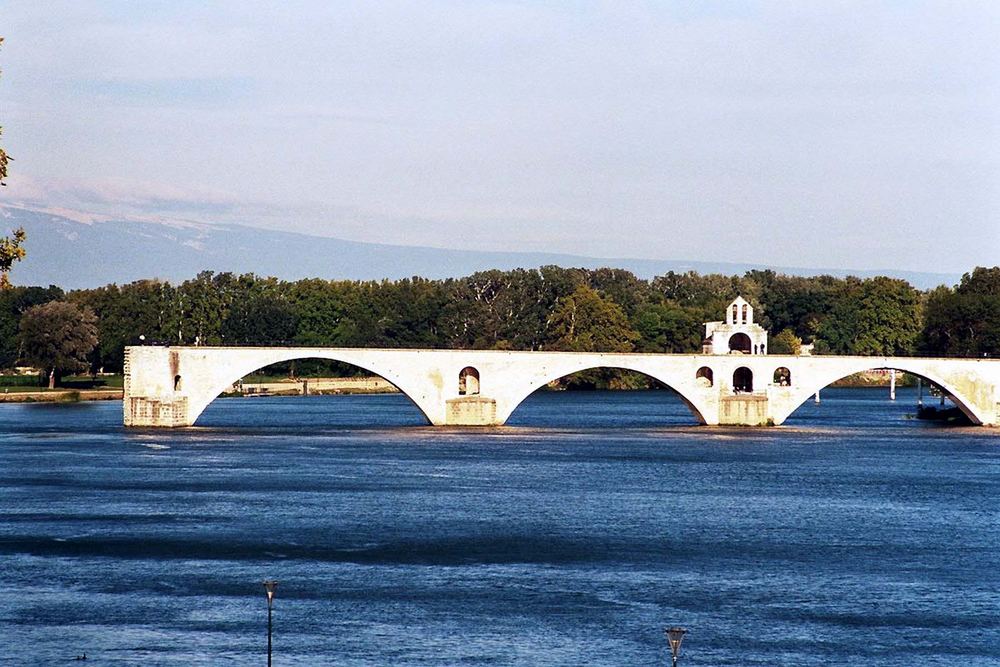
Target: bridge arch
<point>801,393</point>
<point>224,377</point>
<point>694,405</point>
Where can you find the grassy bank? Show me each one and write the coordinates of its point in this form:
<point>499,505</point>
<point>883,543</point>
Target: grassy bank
<point>73,388</point>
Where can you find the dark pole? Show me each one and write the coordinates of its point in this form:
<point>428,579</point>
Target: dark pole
<point>269,587</point>
<point>675,636</point>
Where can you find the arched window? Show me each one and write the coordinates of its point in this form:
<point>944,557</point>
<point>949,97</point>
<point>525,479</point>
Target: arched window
<point>783,377</point>
<point>734,312</point>
<point>744,313</point>
<point>740,342</point>
<point>704,376</point>
<point>468,382</point>
<point>177,383</point>
<point>743,380</point>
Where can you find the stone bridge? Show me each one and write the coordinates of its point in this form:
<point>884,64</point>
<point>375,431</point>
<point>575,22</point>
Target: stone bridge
<point>172,386</point>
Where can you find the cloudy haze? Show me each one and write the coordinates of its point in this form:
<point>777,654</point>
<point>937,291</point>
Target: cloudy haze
<point>850,135</point>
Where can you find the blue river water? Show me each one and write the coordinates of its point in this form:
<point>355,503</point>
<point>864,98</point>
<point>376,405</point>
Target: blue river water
<point>850,536</point>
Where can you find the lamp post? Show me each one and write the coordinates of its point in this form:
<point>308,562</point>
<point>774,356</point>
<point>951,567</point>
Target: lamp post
<point>269,586</point>
<point>675,636</point>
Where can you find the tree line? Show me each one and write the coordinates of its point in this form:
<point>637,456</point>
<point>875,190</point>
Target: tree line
<point>550,308</point>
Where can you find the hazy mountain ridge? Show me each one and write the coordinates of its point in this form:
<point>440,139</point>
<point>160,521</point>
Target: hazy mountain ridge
<point>89,251</point>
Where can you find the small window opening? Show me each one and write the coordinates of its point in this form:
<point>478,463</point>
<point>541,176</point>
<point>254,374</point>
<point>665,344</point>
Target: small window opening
<point>743,380</point>
<point>177,383</point>
<point>744,313</point>
<point>704,376</point>
<point>783,377</point>
<point>468,382</point>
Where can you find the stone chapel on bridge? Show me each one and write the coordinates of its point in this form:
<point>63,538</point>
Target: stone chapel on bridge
<point>737,334</point>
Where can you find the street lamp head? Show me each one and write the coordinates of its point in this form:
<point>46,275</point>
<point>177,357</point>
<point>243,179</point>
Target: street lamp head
<point>269,586</point>
<point>675,636</point>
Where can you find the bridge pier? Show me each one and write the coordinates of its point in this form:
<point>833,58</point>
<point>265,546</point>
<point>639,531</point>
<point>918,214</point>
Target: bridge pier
<point>150,397</point>
<point>745,410</point>
<point>156,411</point>
<point>471,411</point>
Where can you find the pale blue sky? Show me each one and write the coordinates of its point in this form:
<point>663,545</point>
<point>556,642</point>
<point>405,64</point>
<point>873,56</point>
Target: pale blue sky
<point>833,134</point>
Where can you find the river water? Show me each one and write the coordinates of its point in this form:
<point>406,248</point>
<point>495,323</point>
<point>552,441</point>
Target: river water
<point>851,535</point>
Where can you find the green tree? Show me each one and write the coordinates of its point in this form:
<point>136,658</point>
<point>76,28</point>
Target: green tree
<point>586,322</point>
<point>667,327</point>
<point>13,303</point>
<point>479,309</point>
<point>620,286</point>
<point>143,308</point>
<point>878,316</point>
<point>11,251</point>
<point>58,337</point>
<point>794,302</point>
<point>319,307</point>
<point>503,309</point>
<point>263,316</point>
<point>786,342</point>
<point>964,321</point>
<point>407,313</point>
<point>705,296</point>
<point>201,305</point>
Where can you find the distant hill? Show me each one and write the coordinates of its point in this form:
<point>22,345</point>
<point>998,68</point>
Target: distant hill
<point>73,250</point>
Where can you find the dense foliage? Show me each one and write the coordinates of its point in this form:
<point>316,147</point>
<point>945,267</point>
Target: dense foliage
<point>58,337</point>
<point>964,321</point>
<point>549,308</point>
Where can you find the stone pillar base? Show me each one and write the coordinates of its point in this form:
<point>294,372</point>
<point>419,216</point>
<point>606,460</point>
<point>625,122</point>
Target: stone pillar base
<point>156,411</point>
<point>471,411</point>
<point>744,410</point>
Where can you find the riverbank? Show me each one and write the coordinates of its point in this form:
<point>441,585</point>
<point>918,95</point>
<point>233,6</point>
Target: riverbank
<point>314,386</point>
<point>876,378</point>
<point>61,395</point>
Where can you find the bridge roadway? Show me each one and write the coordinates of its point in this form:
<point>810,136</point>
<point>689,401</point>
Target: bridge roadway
<point>172,386</point>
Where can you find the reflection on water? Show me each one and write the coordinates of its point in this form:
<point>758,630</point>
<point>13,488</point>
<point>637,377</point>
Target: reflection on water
<point>851,535</point>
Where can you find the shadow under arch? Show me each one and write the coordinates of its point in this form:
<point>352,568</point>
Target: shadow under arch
<point>803,394</point>
<point>209,394</point>
<point>534,387</point>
